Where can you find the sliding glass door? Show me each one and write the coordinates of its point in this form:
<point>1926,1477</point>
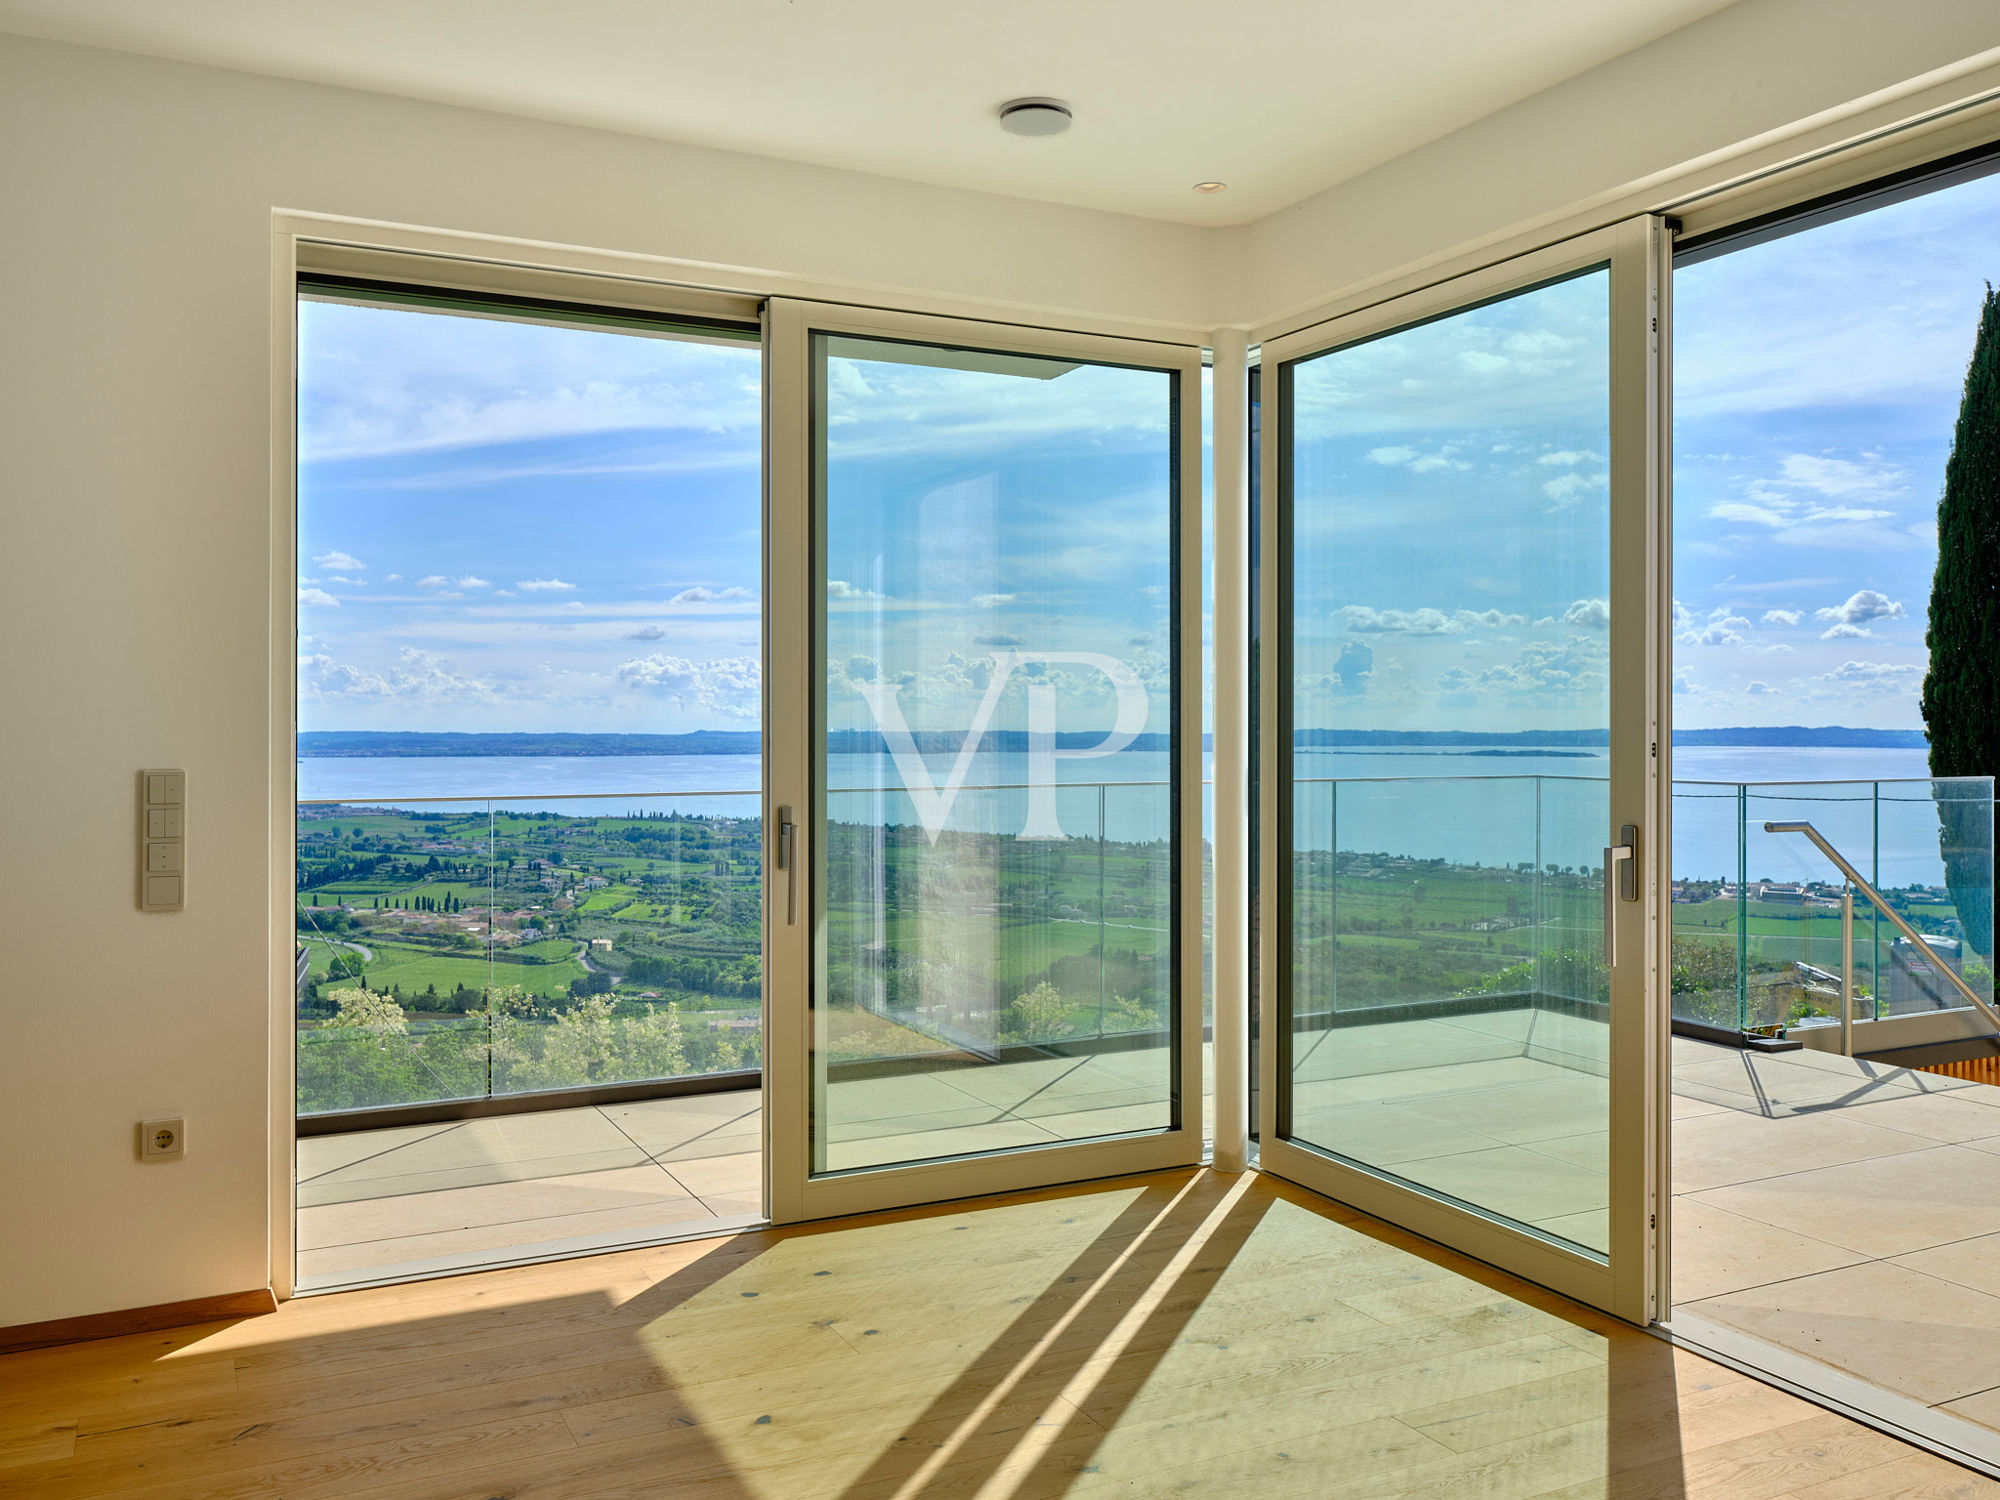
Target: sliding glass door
<point>1460,763</point>
<point>984,887</point>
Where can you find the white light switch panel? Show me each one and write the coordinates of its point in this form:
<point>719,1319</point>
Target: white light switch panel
<point>162,840</point>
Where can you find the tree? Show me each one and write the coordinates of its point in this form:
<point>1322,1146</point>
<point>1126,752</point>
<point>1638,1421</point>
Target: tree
<point>1962,685</point>
<point>366,1008</point>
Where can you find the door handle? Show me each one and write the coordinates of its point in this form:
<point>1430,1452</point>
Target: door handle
<point>788,862</point>
<point>1621,883</point>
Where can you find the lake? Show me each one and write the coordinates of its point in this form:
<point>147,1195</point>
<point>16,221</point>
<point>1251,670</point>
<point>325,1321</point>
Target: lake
<point>1457,805</point>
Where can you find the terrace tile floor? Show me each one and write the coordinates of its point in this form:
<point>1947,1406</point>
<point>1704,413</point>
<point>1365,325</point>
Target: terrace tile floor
<point>1844,1211</point>
<point>430,1199</point>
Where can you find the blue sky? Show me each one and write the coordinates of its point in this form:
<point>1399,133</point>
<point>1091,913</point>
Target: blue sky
<point>1816,382</point>
<point>1451,539</point>
<point>973,513</point>
<point>517,526</point>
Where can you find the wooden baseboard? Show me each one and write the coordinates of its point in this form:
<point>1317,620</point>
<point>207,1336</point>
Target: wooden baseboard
<point>138,1320</point>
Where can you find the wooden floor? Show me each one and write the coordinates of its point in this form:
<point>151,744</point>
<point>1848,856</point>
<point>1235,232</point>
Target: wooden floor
<point>1186,1333</point>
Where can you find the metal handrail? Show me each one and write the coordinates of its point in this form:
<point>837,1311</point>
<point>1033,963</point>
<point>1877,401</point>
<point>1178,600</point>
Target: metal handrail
<point>1895,917</point>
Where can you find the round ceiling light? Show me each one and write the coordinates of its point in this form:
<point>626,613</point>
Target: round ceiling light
<point>1210,187</point>
<point>1034,117</point>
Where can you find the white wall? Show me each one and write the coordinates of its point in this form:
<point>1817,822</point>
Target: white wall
<point>135,202</point>
<point>1621,133</point>
<point>135,205</point>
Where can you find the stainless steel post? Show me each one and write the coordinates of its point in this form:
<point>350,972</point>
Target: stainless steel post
<point>1847,971</point>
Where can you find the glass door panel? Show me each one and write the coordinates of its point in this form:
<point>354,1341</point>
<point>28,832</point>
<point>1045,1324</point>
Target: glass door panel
<point>1000,760</point>
<point>1452,743</point>
<point>1450,555</point>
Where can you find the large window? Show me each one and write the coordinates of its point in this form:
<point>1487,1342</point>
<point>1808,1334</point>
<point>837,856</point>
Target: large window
<point>529,822</point>
<point>528,630</point>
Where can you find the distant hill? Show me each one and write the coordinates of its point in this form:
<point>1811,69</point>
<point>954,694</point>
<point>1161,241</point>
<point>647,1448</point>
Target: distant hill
<point>1829,735</point>
<point>328,744</point>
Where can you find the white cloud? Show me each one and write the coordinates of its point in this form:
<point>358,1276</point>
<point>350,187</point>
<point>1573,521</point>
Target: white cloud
<point>318,597</point>
<point>543,586</point>
<point>1782,616</point>
<point>1550,667</point>
<point>647,633</point>
<point>341,562</point>
<point>1355,666</point>
<point>1568,457</point>
<point>1398,457</point>
<point>433,581</point>
<point>1567,489</point>
<point>1844,632</point>
<point>1840,478</point>
<point>1362,620</point>
<point>396,385</point>
<point>1820,502</point>
<point>991,601</point>
<point>1590,614</point>
<point>394,578</point>
<point>1872,673</point>
<point>1760,690</point>
<point>730,685</point>
<point>469,581</point>
<point>1861,607</point>
<point>837,588</point>
<point>417,674</point>
<point>1755,515</point>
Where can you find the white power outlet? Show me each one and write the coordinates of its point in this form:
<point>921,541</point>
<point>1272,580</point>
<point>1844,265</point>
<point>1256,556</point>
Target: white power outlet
<point>162,1140</point>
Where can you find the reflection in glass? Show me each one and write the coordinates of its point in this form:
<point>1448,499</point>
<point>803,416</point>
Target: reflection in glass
<point>998,836</point>
<point>1449,711</point>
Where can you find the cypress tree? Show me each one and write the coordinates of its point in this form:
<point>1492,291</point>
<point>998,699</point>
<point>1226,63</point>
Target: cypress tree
<point>1962,685</point>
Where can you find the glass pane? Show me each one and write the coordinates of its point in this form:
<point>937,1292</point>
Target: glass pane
<point>999,840</point>
<point>529,839</point>
<point>1448,993</point>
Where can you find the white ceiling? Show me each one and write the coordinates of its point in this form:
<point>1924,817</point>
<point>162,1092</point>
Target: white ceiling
<point>1277,98</point>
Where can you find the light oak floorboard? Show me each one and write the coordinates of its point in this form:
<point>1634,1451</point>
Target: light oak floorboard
<point>1183,1333</point>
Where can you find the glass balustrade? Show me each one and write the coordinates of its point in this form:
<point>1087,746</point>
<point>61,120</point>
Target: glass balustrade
<point>458,949</point>
<point>1760,942</point>
<point>469,948</point>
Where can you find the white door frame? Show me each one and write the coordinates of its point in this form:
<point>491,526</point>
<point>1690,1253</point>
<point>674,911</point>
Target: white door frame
<point>1628,1280</point>
<point>794,594</point>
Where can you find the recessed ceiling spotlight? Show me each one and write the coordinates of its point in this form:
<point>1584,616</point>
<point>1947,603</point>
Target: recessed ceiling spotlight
<point>1210,187</point>
<point>1034,117</point>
